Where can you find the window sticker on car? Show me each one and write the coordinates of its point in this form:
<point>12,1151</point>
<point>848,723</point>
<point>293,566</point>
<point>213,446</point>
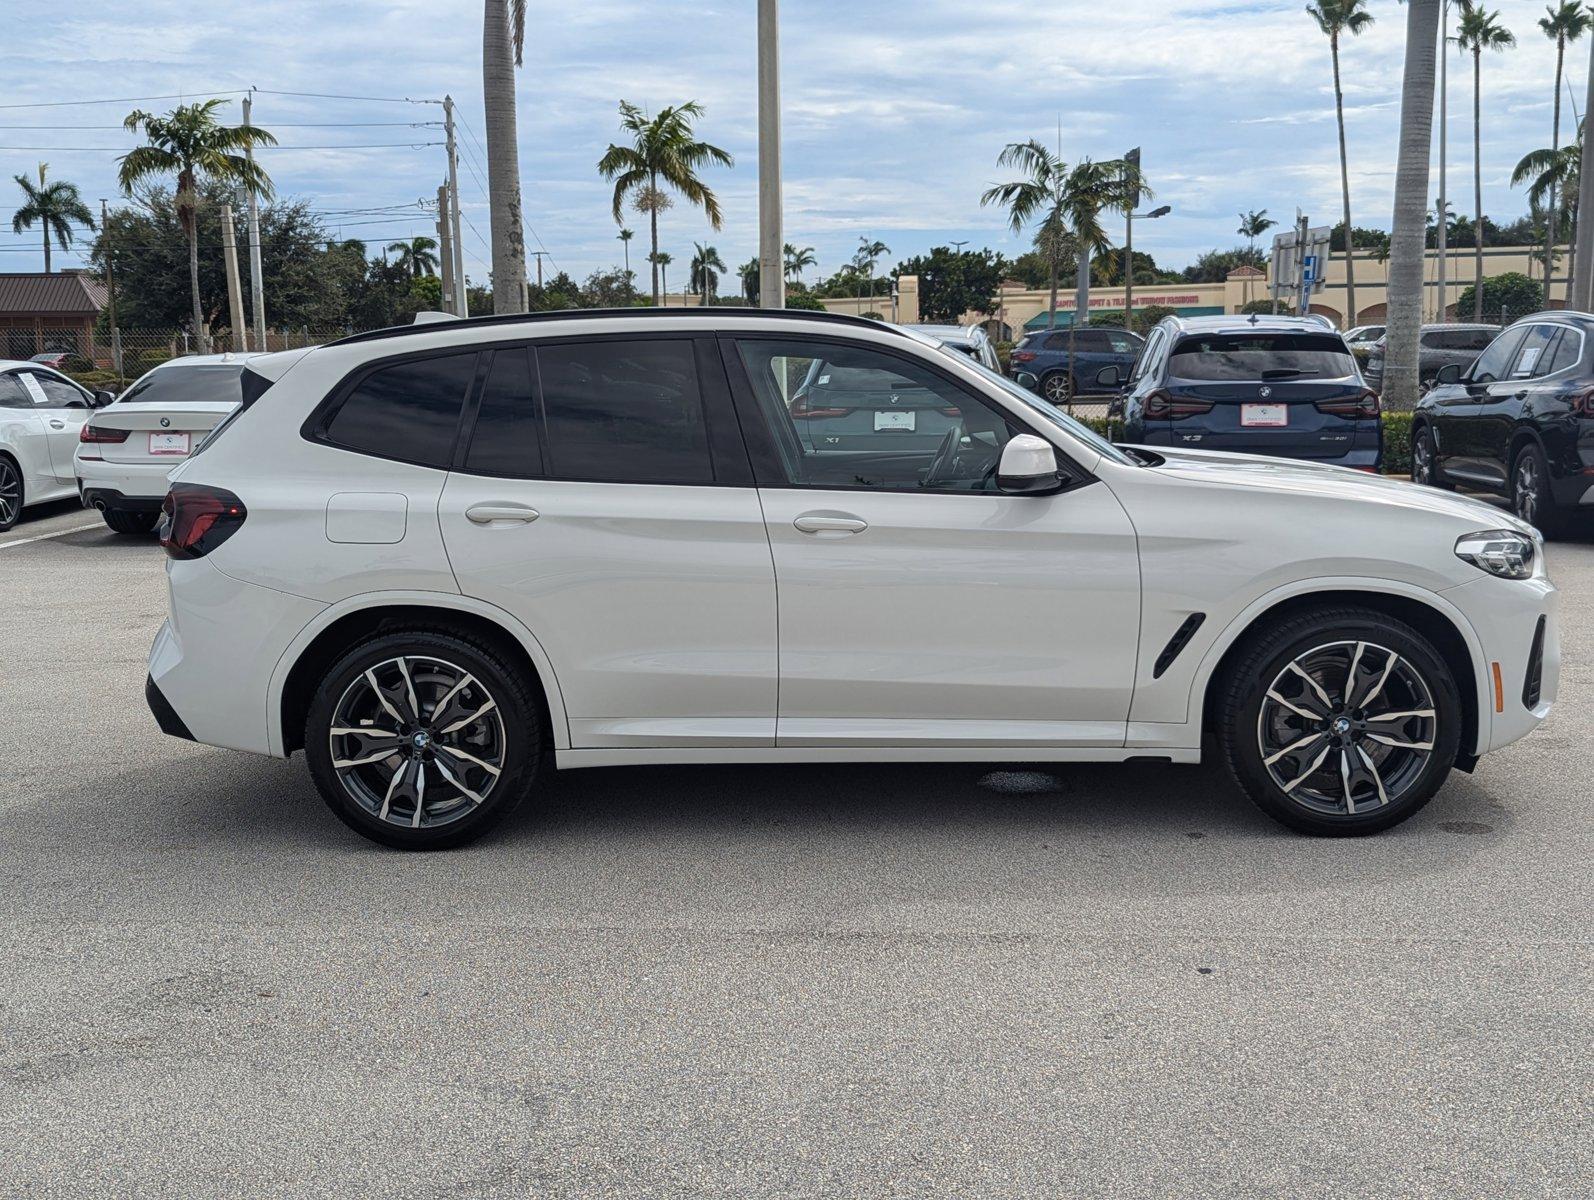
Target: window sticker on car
<point>32,385</point>
<point>1529,357</point>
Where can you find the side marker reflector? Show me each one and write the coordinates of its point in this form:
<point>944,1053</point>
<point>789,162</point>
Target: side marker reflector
<point>1499,690</point>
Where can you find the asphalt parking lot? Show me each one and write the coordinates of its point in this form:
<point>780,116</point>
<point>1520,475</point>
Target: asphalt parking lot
<point>864,981</point>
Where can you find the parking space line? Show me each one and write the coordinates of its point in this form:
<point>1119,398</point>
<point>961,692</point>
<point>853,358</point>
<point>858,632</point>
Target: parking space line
<point>40,537</point>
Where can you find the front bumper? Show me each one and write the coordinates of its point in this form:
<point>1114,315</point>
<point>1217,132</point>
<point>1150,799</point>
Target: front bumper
<point>1506,614</point>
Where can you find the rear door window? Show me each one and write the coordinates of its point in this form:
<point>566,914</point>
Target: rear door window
<point>1567,350</point>
<point>407,410</point>
<point>1224,357</point>
<point>12,394</point>
<point>508,434</point>
<point>1535,351</point>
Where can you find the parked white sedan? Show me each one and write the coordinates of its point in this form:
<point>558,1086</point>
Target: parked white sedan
<point>441,559</point>
<point>125,453</point>
<point>41,412</point>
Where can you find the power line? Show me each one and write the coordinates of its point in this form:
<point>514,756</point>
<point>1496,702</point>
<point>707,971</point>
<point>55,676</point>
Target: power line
<point>334,96</point>
<point>274,125</point>
<point>279,146</point>
<point>129,99</point>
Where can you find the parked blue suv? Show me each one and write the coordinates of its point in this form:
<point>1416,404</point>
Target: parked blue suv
<point>1044,354</point>
<point>1282,386</point>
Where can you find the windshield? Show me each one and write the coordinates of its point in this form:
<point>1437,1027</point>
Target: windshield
<point>1231,357</point>
<point>189,385</point>
<point>1035,404</point>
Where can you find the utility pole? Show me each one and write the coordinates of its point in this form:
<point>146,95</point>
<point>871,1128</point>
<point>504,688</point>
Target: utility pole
<point>445,247</point>
<point>1303,284</point>
<point>257,283</point>
<point>110,287</point>
<point>235,298</point>
<point>771,266</point>
<point>1132,161</point>
<point>539,255</point>
<point>460,306</point>
<point>1443,238</point>
<point>1581,297</point>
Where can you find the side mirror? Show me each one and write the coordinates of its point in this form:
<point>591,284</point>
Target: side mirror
<point>1449,373</point>
<point>1028,467</point>
<point>1025,379</point>
<point>102,398</point>
<point>1109,377</point>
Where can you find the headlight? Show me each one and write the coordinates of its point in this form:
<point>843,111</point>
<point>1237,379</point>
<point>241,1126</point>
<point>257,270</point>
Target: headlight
<point>1502,552</point>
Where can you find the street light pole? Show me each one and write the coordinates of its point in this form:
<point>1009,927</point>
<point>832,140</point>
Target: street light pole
<point>1132,161</point>
<point>1444,142</point>
<point>1582,297</point>
<point>257,283</point>
<point>771,268</point>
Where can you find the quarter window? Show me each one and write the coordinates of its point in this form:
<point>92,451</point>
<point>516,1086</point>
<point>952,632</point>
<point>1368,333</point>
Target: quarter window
<point>407,410</point>
<point>847,416</point>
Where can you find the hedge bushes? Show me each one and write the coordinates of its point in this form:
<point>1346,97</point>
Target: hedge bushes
<point>1397,438</point>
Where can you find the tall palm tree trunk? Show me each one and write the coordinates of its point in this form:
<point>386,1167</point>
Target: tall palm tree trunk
<point>1344,187</point>
<point>201,332</point>
<point>1477,183</point>
<point>503,160</point>
<point>653,233</point>
<point>1408,235</point>
<point>1051,319</point>
<point>1555,147</point>
<point>46,224</point>
<point>1081,313</point>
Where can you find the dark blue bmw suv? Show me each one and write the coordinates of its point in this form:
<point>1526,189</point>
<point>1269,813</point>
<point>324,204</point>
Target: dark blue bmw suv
<point>1283,386</point>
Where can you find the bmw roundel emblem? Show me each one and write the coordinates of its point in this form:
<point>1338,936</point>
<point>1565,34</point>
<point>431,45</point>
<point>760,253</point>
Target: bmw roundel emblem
<point>166,422</point>
<point>1264,393</point>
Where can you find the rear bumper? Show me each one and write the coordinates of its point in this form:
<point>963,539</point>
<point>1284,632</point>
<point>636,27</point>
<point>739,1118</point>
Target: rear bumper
<point>165,715</point>
<point>132,481</point>
<point>110,498</point>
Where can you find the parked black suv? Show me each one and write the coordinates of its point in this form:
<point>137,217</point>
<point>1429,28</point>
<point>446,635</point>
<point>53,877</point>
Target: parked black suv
<point>1284,386</point>
<point>1439,346</point>
<point>1519,422</point>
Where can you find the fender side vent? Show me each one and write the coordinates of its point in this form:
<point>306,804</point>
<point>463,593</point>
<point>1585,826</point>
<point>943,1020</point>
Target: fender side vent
<point>1180,639</point>
<point>1533,685</point>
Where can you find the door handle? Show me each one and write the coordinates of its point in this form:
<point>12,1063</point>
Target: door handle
<point>57,424</point>
<point>488,514</point>
<point>815,523</point>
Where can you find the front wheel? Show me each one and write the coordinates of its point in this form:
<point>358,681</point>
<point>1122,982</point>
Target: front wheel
<point>11,494</point>
<point>1340,722</point>
<point>1425,460</point>
<point>132,523</point>
<point>1531,497</point>
<point>423,739</point>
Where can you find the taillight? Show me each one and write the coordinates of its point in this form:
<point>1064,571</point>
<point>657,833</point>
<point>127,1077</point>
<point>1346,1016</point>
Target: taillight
<point>804,409</point>
<point>196,518</point>
<point>98,433</point>
<point>1583,403</point>
<point>1164,406</point>
<point>1023,356</point>
<point>1361,407</point>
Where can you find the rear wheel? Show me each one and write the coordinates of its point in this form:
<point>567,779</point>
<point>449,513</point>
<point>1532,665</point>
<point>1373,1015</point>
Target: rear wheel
<point>122,521</point>
<point>11,493</point>
<point>1058,387</point>
<point>1531,498</point>
<point>1340,722</point>
<point>1425,460</point>
<point>422,739</point>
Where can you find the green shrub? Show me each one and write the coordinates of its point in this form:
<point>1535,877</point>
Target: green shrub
<point>1004,354</point>
<point>1397,443</point>
<point>96,380</point>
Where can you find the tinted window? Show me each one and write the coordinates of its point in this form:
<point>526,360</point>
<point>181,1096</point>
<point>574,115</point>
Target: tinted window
<point>58,392</point>
<point>1565,353</point>
<point>507,439</point>
<point>1250,356</point>
<point>847,416</point>
<point>1494,362</point>
<point>1477,339</point>
<point>12,395</point>
<point>1436,339</point>
<point>1534,352</point>
<point>189,385</point>
<point>1057,341</point>
<point>407,411</point>
<point>624,412</point>
<point>1122,343</point>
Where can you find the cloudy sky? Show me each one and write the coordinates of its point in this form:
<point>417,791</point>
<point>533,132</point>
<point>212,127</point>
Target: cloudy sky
<point>895,110</point>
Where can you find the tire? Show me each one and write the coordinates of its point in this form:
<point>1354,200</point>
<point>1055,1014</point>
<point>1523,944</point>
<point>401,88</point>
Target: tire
<point>1531,498</point>
<point>12,493</point>
<point>451,678</point>
<point>1057,387</point>
<point>122,521</point>
<point>1390,767</point>
<point>1425,461</point>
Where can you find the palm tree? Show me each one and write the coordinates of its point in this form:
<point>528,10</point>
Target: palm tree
<point>749,273</point>
<point>56,207</point>
<point>1253,225</point>
<point>190,143</point>
<point>1552,172</point>
<point>664,152</point>
<point>1479,30</point>
<point>863,262</point>
<point>1038,194</point>
<point>706,264</point>
<point>1561,25</point>
<point>503,29</point>
<point>1089,190</point>
<point>1336,17</point>
<point>798,261</point>
<point>418,256</point>
<point>625,236</point>
<point>661,285</point>
<point>1408,236</point>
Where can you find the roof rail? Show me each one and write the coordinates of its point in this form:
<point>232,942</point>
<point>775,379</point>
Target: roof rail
<point>640,314</point>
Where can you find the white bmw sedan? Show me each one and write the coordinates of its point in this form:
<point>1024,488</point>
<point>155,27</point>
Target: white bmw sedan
<point>41,412</point>
<point>443,559</point>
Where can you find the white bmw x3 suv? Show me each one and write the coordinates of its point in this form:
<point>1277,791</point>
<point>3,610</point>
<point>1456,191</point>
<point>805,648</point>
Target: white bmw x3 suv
<point>440,559</point>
